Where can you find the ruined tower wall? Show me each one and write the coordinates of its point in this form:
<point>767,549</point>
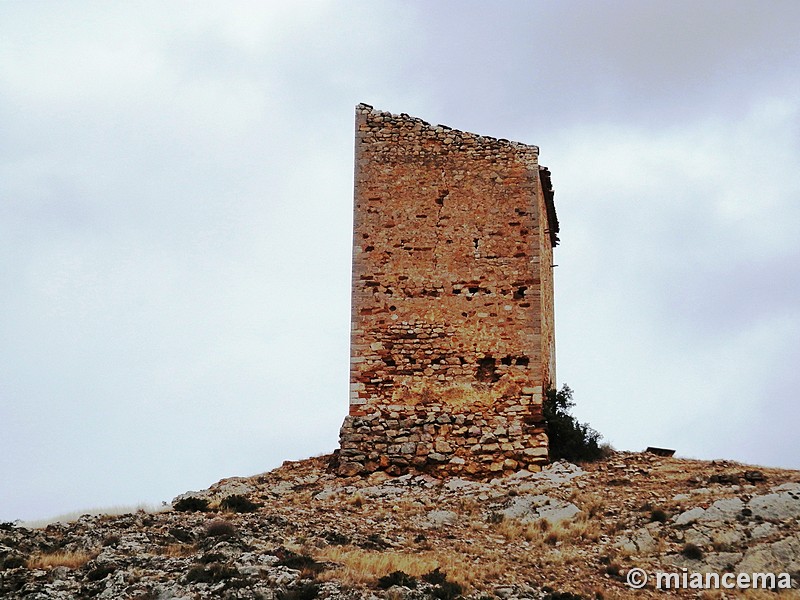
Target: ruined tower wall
<point>548,239</point>
<point>452,325</point>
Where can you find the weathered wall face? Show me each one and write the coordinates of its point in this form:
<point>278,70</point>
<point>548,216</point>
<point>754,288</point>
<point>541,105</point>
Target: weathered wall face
<point>452,314</point>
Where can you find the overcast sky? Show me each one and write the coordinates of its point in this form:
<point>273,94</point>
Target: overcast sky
<point>176,205</point>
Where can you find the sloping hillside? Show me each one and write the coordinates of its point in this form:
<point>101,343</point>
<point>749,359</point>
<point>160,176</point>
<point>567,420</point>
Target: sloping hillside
<point>299,532</point>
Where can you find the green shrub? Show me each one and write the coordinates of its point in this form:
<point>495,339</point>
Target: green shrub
<point>305,591</point>
<point>11,562</point>
<point>99,573</point>
<point>659,516</point>
<point>300,562</point>
<point>447,590</point>
<point>692,552</point>
<point>435,577</point>
<point>444,589</point>
<point>220,528</point>
<point>238,503</point>
<point>335,538</point>
<point>397,578</point>
<point>569,439</point>
<point>213,573</point>
<point>191,504</point>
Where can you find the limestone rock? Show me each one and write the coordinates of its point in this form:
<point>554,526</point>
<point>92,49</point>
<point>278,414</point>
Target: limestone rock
<point>689,516</point>
<point>530,508</point>
<point>440,518</point>
<point>779,506</point>
<point>775,557</point>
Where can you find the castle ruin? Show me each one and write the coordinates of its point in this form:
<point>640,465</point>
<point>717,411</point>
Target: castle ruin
<point>452,339</point>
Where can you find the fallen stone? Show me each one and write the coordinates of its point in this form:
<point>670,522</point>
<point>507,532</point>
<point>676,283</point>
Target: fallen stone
<point>440,518</point>
<point>689,516</point>
<point>641,542</point>
<point>350,469</point>
<point>528,509</point>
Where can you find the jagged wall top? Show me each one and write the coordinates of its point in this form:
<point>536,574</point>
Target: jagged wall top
<point>381,124</point>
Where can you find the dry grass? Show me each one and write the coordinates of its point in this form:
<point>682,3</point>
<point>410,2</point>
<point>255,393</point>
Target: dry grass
<point>301,498</point>
<point>563,556</point>
<point>577,530</point>
<point>513,529</point>
<point>220,528</point>
<point>356,500</point>
<point>178,550</point>
<point>591,503</point>
<point>71,559</point>
<point>359,567</point>
<point>581,527</point>
<point>468,507</point>
<point>108,511</point>
<point>402,509</point>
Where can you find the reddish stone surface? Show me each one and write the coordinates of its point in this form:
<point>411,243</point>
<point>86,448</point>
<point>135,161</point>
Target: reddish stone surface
<point>452,341</point>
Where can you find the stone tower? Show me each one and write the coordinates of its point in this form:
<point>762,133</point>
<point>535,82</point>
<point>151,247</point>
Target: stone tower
<point>452,339</point>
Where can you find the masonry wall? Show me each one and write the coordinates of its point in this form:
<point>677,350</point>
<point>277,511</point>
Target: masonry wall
<point>452,341</point>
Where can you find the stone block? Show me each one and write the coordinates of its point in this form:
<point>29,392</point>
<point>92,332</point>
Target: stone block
<point>443,447</point>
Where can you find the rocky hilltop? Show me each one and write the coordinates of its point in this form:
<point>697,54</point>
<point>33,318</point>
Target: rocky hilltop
<point>300,532</point>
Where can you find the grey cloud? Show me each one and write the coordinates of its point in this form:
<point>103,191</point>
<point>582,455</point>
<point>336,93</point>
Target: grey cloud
<point>656,63</point>
<point>175,208</point>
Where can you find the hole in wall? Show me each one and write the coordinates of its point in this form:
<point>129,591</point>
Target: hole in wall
<point>487,370</point>
<point>519,293</point>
